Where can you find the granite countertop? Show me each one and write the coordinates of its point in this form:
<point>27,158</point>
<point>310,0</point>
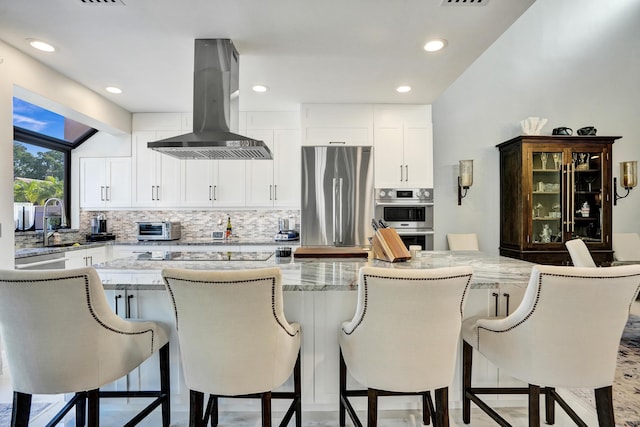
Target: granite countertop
<point>327,274</point>
<point>235,241</point>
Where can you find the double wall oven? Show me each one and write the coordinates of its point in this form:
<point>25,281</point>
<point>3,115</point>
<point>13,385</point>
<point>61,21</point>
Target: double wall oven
<point>409,211</point>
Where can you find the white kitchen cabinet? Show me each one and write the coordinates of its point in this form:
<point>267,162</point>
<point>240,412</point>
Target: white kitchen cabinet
<point>85,257</point>
<point>214,183</point>
<point>403,141</point>
<point>157,178</point>
<point>337,124</point>
<point>275,182</point>
<point>105,182</point>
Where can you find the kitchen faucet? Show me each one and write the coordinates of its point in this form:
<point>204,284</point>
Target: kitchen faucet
<point>63,220</point>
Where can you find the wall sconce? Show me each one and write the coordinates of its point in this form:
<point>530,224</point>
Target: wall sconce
<point>629,176</point>
<point>465,178</point>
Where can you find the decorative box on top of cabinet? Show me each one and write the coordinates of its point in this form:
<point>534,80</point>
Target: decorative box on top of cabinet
<point>554,189</point>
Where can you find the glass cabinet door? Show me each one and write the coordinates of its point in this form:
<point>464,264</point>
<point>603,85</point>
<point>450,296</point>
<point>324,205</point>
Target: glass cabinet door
<point>585,213</point>
<point>546,197</point>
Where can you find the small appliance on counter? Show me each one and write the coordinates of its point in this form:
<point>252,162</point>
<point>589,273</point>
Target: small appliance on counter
<point>98,224</point>
<point>159,230</point>
<point>100,237</point>
<point>286,231</point>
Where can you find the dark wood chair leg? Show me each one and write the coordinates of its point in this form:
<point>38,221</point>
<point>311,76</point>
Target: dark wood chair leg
<point>266,409</point>
<point>343,389</point>
<point>426,410</point>
<point>534,405</point>
<point>93,408</point>
<point>549,406</point>
<point>297,388</point>
<point>21,409</point>
<point>214,411</point>
<point>372,408</point>
<point>196,408</point>
<point>81,409</point>
<point>441,417</point>
<point>604,406</point>
<point>164,385</point>
<point>467,361</point>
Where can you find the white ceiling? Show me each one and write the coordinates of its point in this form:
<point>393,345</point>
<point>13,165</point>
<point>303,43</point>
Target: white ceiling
<point>303,50</point>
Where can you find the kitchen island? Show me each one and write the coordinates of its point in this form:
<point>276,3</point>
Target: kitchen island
<point>319,294</point>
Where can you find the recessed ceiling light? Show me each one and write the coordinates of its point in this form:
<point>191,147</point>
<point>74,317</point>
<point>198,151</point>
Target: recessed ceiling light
<point>435,45</point>
<point>260,88</point>
<point>403,89</point>
<point>113,89</point>
<point>40,45</point>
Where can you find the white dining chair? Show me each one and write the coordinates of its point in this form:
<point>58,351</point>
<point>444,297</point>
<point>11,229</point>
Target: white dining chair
<point>564,334</point>
<point>234,339</point>
<point>403,338</point>
<point>61,336</point>
<point>580,255</point>
<point>463,242</point>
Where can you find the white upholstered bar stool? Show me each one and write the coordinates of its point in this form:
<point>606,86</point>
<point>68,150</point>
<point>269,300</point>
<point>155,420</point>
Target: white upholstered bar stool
<point>403,338</point>
<point>234,339</point>
<point>463,242</point>
<point>626,246</point>
<point>61,336</point>
<point>565,334</point>
<point>580,255</point>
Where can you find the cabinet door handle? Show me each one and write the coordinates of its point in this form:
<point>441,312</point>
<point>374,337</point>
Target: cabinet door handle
<point>153,197</point>
<point>338,142</point>
<point>495,295</point>
<point>275,192</point>
<point>400,173</point>
<point>214,192</point>
<point>507,296</point>
<point>210,190</point>
<point>157,192</point>
<point>116,298</point>
<point>406,175</point>
<point>128,313</point>
<point>270,191</point>
<point>102,193</point>
<point>107,192</point>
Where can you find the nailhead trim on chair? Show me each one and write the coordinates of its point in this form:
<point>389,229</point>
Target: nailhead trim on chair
<point>535,304</point>
<point>366,292</point>
<point>93,314</point>
<point>273,296</point>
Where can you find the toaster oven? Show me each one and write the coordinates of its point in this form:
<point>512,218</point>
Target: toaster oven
<point>158,230</point>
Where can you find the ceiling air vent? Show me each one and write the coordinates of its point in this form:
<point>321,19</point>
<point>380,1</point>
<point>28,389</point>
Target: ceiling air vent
<point>106,2</point>
<point>464,2</point>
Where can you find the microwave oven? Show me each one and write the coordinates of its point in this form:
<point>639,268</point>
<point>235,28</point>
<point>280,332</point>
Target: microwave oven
<point>405,209</point>
<point>158,230</point>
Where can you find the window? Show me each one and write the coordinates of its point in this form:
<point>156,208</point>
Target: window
<point>42,146</point>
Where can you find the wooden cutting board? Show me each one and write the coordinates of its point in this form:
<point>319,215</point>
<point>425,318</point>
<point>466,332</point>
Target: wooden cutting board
<point>330,252</point>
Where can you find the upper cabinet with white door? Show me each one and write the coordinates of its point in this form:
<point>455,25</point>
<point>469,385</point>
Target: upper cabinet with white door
<point>214,183</point>
<point>337,124</point>
<point>403,146</point>
<point>105,182</point>
<point>274,183</point>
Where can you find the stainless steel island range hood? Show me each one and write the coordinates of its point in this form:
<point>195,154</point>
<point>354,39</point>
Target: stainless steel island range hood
<point>215,110</point>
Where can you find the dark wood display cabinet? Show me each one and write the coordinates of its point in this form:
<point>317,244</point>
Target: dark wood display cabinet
<point>554,189</point>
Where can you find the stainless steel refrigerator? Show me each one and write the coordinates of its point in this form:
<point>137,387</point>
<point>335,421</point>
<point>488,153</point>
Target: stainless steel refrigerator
<point>337,196</point>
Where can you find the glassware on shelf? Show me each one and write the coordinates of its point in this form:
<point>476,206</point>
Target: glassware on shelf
<point>543,158</point>
<point>590,180</point>
<point>556,160</point>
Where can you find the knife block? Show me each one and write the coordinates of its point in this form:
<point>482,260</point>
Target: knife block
<point>388,246</point>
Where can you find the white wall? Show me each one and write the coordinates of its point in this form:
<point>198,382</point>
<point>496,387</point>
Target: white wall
<point>576,63</point>
<point>31,80</point>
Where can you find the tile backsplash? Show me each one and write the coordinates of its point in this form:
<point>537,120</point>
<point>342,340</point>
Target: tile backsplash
<point>196,224</point>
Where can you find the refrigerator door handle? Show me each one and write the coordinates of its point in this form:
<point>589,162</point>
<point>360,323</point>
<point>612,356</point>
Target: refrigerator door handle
<point>334,210</point>
<point>341,200</point>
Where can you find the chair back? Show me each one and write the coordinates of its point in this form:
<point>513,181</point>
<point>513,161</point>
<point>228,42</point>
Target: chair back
<point>233,334</point>
<point>405,331</point>
<point>580,255</point>
<point>60,333</point>
<point>463,242</point>
<point>567,330</point>
<point>626,246</point>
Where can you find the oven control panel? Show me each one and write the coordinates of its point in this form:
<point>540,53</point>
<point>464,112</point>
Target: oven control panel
<point>404,195</point>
